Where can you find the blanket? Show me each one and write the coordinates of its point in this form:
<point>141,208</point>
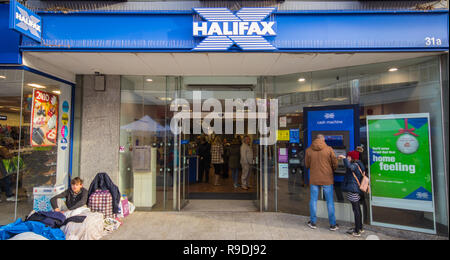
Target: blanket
<point>90,229</point>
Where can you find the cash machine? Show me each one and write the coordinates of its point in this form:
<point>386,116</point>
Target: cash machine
<point>339,141</point>
<point>340,127</point>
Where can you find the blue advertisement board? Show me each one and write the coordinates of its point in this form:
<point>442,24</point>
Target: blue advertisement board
<point>280,31</point>
<point>10,40</point>
<point>294,136</point>
<point>332,120</point>
<point>24,21</point>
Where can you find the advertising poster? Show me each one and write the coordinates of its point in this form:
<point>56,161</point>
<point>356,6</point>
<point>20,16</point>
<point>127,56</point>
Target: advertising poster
<point>283,170</point>
<point>294,136</point>
<point>283,155</point>
<point>400,160</point>
<point>44,119</point>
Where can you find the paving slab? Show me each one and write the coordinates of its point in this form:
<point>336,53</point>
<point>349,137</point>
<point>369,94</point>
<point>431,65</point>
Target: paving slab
<point>228,226</point>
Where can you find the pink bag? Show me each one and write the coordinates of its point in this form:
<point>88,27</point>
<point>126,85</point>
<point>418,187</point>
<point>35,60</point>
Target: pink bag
<point>364,186</point>
<point>125,207</point>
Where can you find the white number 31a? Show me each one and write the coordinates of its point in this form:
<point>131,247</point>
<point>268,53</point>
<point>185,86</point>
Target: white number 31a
<point>431,41</point>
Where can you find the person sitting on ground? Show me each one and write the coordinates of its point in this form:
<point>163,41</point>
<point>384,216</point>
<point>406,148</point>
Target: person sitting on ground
<point>76,196</point>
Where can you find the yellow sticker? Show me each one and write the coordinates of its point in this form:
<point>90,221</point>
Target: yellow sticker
<point>65,119</point>
<point>283,135</point>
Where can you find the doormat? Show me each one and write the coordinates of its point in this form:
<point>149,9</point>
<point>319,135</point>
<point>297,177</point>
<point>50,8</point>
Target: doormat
<point>221,196</point>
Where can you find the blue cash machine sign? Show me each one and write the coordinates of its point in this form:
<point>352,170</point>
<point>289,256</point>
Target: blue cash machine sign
<point>24,21</point>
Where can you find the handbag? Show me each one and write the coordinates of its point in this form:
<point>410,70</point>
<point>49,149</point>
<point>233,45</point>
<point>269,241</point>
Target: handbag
<point>364,184</point>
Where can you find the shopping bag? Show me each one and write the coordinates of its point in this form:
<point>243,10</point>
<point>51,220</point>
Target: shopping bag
<point>125,207</point>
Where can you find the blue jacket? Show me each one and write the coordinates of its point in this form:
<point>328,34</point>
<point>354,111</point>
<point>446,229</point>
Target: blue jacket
<point>350,184</point>
<point>19,227</point>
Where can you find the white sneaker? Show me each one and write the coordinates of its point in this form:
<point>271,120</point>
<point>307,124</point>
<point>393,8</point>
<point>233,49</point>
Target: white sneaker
<point>11,199</point>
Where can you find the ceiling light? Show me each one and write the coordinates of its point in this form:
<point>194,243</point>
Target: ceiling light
<point>165,98</point>
<point>301,79</point>
<point>149,80</point>
<point>56,92</point>
<point>2,77</point>
<point>35,85</point>
<point>393,69</point>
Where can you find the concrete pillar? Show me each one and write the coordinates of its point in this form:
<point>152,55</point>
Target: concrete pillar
<point>99,148</point>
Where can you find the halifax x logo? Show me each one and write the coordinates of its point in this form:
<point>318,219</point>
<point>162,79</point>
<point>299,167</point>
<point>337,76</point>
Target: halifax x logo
<point>223,29</point>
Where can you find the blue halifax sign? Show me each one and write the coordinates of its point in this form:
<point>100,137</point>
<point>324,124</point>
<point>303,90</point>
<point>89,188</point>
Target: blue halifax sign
<point>224,28</point>
<point>25,21</point>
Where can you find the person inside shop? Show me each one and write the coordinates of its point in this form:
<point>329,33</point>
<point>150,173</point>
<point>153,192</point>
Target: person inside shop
<point>75,197</point>
<point>233,161</point>
<point>321,160</point>
<point>5,179</point>
<point>352,179</point>
<point>217,159</point>
<point>246,161</point>
<point>226,158</point>
<point>204,153</point>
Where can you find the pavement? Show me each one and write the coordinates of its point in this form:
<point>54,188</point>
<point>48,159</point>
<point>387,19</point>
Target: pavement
<point>197,223</point>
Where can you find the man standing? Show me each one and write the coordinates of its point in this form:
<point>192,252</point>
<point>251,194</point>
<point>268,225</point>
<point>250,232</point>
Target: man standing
<point>246,161</point>
<point>322,162</point>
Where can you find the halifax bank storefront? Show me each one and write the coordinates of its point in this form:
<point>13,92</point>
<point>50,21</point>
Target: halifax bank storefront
<point>133,88</point>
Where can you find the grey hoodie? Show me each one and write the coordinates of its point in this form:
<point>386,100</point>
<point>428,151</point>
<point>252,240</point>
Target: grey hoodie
<point>246,154</point>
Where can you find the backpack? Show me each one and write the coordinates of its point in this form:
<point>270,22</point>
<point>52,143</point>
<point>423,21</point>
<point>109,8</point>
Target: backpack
<point>364,185</point>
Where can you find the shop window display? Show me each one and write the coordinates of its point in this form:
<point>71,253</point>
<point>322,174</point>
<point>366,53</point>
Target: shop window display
<point>35,137</point>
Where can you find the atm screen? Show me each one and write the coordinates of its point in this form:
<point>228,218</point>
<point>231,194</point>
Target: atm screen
<point>334,140</point>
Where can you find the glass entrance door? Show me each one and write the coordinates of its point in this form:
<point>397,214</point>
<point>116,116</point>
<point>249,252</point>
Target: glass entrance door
<point>267,135</point>
<point>219,112</point>
<point>180,138</point>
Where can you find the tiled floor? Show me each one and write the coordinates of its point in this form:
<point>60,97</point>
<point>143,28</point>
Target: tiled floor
<point>196,223</point>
